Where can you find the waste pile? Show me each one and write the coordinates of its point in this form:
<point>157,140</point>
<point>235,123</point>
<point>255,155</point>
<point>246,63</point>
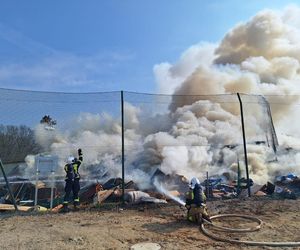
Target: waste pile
<point>287,187</point>
<point>111,191</point>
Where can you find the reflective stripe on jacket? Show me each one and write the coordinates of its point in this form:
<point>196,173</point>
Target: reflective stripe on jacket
<point>195,196</point>
<point>72,170</point>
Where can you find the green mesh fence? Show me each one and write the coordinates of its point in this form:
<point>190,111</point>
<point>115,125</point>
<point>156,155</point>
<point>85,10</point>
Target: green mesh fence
<point>192,135</point>
<point>285,115</point>
<point>89,121</point>
<point>177,134</point>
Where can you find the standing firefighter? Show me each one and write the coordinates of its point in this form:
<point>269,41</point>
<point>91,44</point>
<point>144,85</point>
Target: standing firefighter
<point>72,180</point>
<point>195,202</point>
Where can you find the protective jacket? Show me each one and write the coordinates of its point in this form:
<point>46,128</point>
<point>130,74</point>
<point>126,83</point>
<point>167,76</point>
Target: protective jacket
<point>196,196</point>
<point>195,203</point>
<point>73,168</point>
<point>199,196</point>
<point>72,181</point>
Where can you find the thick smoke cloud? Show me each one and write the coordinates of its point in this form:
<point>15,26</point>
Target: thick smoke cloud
<point>196,133</point>
<point>261,57</point>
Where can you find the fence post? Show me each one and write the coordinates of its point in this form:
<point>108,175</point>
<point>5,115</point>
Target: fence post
<point>123,159</point>
<point>207,186</point>
<point>239,177</point>
<point>7,184</point>
<point>244,142</point>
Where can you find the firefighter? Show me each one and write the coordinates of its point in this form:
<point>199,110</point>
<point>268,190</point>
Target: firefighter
<point>195,202</point>
<point>72,180</point>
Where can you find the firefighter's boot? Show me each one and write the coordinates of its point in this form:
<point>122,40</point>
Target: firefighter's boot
<point>65,208</point>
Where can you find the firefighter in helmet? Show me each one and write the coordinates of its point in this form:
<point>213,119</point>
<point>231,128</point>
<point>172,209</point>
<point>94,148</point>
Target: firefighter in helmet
<point>195,202</point>
<point>72,180</point>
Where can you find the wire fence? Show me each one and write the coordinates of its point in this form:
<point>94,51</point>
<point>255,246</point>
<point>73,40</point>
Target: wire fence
<point>186,135</point>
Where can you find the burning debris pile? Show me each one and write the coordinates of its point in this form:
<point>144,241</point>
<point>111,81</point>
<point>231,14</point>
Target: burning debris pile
<point>164,188</point>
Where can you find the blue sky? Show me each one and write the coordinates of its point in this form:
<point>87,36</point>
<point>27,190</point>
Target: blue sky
<point>107,45</point>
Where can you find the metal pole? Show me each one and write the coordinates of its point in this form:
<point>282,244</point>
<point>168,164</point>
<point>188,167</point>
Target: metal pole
<point>207,186</point>
<point>244,142</point>
<point>238,178</point>
<point>52,188</point>
<point>7,185</point>
<point>36,188</point>
<point>123,158</point>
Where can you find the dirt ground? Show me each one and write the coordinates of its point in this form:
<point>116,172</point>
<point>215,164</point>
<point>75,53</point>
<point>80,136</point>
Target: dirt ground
<point>111,227</point>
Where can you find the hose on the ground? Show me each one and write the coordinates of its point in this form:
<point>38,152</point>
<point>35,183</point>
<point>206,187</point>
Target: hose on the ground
<point>252,243</point>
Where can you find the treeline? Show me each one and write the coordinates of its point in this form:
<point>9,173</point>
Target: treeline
<point>16,142</point>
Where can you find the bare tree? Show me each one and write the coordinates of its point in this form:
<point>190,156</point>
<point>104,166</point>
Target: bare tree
<point>16,142</point>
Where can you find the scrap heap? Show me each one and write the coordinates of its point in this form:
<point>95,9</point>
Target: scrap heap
<point>111,191</point>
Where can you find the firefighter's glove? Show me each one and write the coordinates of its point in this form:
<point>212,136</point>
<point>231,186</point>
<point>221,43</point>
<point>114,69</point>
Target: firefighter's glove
<point>79,151</point>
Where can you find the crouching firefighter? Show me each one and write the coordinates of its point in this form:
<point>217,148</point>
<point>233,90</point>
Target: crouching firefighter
<point>72,180</point>
<point>195,203</point>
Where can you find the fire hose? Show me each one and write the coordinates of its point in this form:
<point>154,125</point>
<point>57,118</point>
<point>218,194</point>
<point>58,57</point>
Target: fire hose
<point>244,230</point>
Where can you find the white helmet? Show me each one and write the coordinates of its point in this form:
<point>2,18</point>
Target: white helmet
<point>193,182</point>
<point>70,159</point>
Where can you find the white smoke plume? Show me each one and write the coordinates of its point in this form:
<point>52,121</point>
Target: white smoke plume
<point>261,57</point>
<point>99,137</point>
<point>201,133</point>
